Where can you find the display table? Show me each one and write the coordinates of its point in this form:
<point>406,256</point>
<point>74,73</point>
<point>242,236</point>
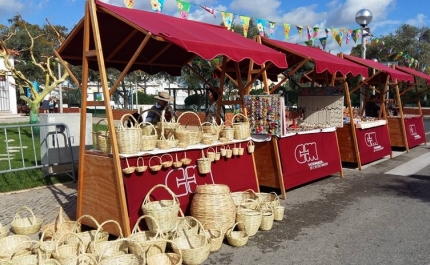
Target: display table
<point>238,172</point>
<point>304,157</point>
<point>414,131</point>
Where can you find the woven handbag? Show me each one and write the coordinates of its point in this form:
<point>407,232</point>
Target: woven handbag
<point>128,138</point>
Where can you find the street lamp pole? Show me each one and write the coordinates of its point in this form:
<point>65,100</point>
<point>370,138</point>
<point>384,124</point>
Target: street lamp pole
<point>363,18</point>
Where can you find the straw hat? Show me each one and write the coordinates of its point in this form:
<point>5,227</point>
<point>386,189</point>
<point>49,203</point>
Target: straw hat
<point>164,96</point>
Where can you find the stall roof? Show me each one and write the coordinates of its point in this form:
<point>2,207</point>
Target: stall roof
<point>414,72</point>
<point>393,73</point>
<point>173,43</point>
<point>324,61</point>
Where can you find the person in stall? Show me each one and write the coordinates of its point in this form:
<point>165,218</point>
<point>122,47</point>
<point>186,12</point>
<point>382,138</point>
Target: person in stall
<point>211,111</point>
<point>163,99</point>
<point>372,107</point>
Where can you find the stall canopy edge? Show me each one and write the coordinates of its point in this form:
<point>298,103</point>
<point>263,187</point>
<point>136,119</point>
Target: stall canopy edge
<point>414,72</point>
<point>174,43</point>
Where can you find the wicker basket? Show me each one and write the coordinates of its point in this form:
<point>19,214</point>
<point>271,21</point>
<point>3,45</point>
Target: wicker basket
<point>140,165</point>
<point>241,129</point>
<point>4,232</point>
<point>59,226</point>
<point>210,153</point>
<point>271,199</point>
<point>82,258</point>
<point>18,258</point>
<point>164,127</point>
<point>249,212</point>
<point>227,133</point>
<point>240,197</point>
<point>267,218</point>
<point>66,251</point>
<point>212,126</point>
<point>104,143</point>
<point>97,133</point>
<point>164,211</point>
<point>87,236</point>
<point>129,169</point>
<point>168,161</point>
<point>250,147</point>
<point>148,141</point>
<point>213,203</point>
<point>203,164</point>
<point>186,160</point>
<point>146,238</point>
<point>237,238</point>
<point>195,248</point>
<point>26,225</point>
<point>163,258</point>
<point>108,247</point>
<point>177,163</point>
<point>147,130</point>
<point>14,244</point>
<point>155,166</point>
<point>215,234</point>
<point>46,245</point>
<point>279,213</point>
<point>190,136</point>
<point>136,256</point>
<point>129,138</point>
<point>186,225</point>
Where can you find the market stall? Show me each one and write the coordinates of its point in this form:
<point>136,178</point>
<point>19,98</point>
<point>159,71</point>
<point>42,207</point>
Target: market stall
<point>308,152</point>
<point>414,124</point>
<point>382,132</point>
<point>153,43</point>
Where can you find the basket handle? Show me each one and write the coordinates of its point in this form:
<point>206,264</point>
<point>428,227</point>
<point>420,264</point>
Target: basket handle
<point>239,114</point>
<point>17,216</point>
<point>136,227</point>
<point>15,250</point>
<point>234,226</point>
<point>77,259</point>
<point>148,123</point>
<point>166,154</point>
<point>148,195</point>
<point>213,150</point>
<point>213,116</point>
<point>77,222</point>
<point>163,115</point>
<point>80,242</point>
<point>140,159</point>
<point>250,143</point>
<point>100,228</point>
<point>121,124</point>
<point>98,123</point>
<point>189,112</point>
<point>216,223</point>
<point>257,207</point>
<point>149,162</point>
<point>168,241</point>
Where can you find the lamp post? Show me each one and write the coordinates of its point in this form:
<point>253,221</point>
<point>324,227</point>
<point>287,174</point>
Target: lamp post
<point>363,18</point>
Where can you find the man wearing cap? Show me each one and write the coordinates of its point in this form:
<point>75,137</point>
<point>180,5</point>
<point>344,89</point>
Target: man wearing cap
<point>163,98</point>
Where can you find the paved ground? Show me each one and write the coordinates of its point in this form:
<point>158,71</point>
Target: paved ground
<point>379,215</point>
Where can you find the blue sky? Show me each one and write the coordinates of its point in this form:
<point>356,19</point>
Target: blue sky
<point>388,15</point>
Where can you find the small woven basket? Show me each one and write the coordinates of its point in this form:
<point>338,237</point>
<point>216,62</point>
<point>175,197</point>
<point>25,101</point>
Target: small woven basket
<point>66,251</point>
<point>241,129</point>
<point>164,127</point>
<point>163,258</point>
<point>237,238</point>
<point>177,163</point>
<point>227,133</point>
<point>279,213</point>
<point>146,238</point>
<point>250,147</point>
<point>136,256</point>
<point>167,161</point>
<point>155,166</point>
<point>203,164</point>
<point>129,169</point>
<point>148,140</point>
<point>215,234</point>
<point>211,125</point>
<point>271,199</point>
<point>89,236</point>
<point>109,247</point>
<point>59,226</point>
<point>240,197</point>
<point>104,143</point>
<point>165,212</point>
<point>186,160</point>
<point>129,138</point>
<point>14,244</point>
<point>249,213</point>
<point>267,218</point>
<point>140,165</point>
<point>186,135</point>
<point>210,153</point>
<point>96,134</point>
<point>26,225</point>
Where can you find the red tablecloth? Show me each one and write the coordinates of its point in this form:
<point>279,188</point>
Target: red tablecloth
<point>373,143</point>
<point>236,172</point>
<point>307,157</point>
<point>415,132</point>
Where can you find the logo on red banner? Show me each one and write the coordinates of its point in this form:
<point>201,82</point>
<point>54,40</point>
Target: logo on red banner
<point>413,131</point>
<point>183,181</point>
<point>371,141</point>
<point>308,153</point>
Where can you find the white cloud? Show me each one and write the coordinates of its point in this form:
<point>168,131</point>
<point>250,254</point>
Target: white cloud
<point>419,21</point>
<point>10,8</point>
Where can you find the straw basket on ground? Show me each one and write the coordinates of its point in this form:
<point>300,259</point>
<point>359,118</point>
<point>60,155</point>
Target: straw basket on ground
<point>46,245</point>
<point>89,236</point>
<point>58,227</point>
<point>162,257</point>
<point>165,212</point>
<point>18,259</point>
<point>195,248</point>
<point>15,244</point>
<point>129,138</point>
<point>146,238</point>
<point>3,231</point>
<point>237,238</point>
<point>267,218</point>
<point>279,213</point>
<point>241,196</point>
<point>136,256</point>
<point>265,198</point>
<point>64,252</point>
<point>148,140</point>
<point>241,128</point>
<point>108,247</point>
<point>25,225</point>
<point>249,213</point>
<point>215,235</point>
<point>188,135</point>
<point>213,203</point>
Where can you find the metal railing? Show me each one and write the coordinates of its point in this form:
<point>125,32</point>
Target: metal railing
<point>34,146</point>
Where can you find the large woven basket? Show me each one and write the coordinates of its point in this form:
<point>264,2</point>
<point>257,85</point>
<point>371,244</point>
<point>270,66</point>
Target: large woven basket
<point>96,133</point>
<point>195,248</point>
<point>58,227</point>
<point>241,128</point>
<point>237,238</point>
<point>213,203</point>
<point>164,127</point>
<point>241,196</point>
<point>14,244</point>
<point>165,212</point>
<point>188,135</point>
<point>148,139</point>
<point>249,212</point>
<point>129,138</point>
<point>26,225</point>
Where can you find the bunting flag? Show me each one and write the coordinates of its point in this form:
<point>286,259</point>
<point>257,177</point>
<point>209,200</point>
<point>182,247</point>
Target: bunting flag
<point>339,37</point>
<point>300,30</point>
<point>389,51</point>
<point>316,29</point>
<point>309,43</point>
<point>327,32</point>
<point>272,28</point>
<point>260,26</point>
<point>129,3</point>
<point>244,21</point>
<point>287,28</point>
<point>355,35</point>
<point>323,41</point>
<point>183,8</point>
<point>309,30</point>
<point>227,18</point>
<point>210,10</point>
<point>398,55</point>
<point>348,36</point>
<point>157,5</point>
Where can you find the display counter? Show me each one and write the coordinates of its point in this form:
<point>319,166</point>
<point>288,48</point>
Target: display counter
<point>413,134</point>
<point>304,157</point>
<point>238,172</point>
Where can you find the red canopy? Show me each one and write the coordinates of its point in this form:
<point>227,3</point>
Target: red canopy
<point>414,72</point>
<point>393,73</point>
<point>324,61</point>
<point>173,43</point>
